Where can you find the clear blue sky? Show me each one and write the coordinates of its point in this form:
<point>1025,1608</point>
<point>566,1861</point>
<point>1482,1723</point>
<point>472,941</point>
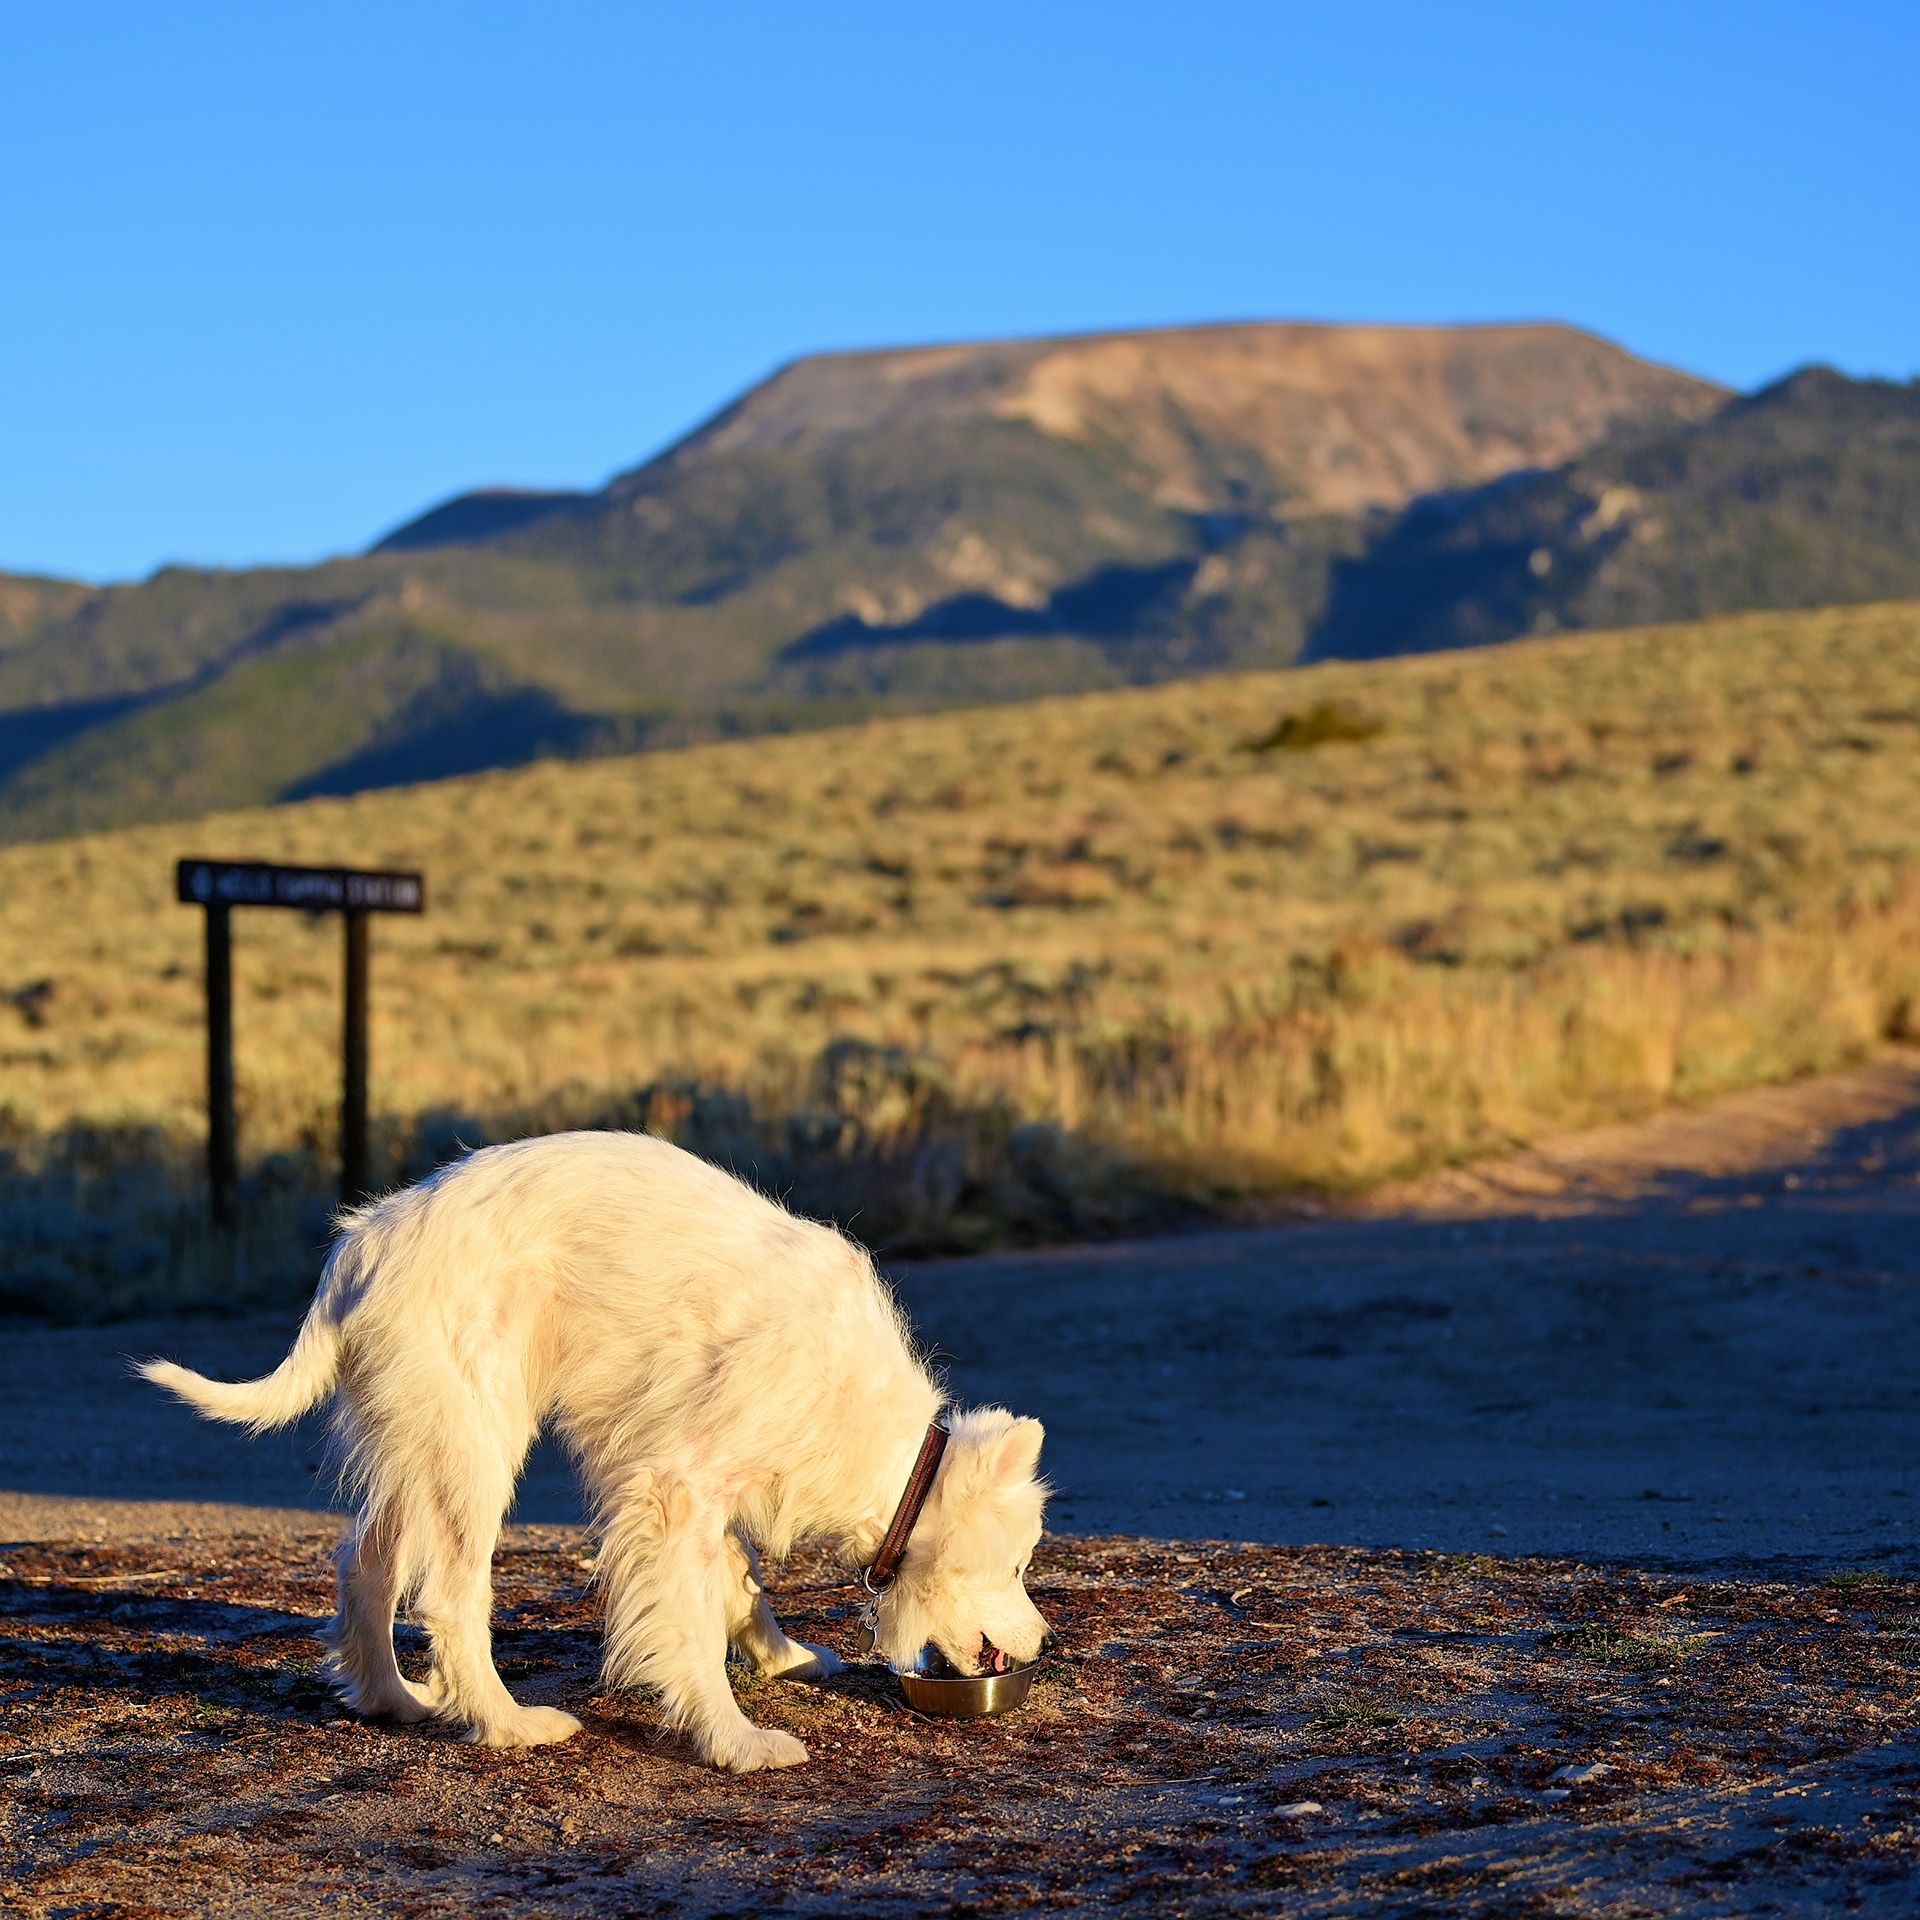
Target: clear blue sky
<point>273,278</point>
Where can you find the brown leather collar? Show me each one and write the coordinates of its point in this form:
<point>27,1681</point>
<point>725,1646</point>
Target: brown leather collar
<point>893,1545</point>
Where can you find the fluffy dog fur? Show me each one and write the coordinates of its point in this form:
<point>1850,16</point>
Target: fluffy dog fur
<point>729,1379</point>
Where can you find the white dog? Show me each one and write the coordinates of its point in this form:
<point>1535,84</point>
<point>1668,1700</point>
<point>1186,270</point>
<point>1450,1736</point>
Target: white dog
<point>729,1378</point>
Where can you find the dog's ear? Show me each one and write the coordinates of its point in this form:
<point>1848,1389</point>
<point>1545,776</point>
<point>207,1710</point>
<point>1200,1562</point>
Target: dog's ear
<point>1016,1454</point>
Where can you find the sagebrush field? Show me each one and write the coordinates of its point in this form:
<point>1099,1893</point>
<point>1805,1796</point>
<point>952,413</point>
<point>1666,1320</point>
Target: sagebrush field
<point>1022,972</point>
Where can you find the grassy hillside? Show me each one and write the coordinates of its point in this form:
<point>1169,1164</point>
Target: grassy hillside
<point>1021,972</point>
<point>861,533</point>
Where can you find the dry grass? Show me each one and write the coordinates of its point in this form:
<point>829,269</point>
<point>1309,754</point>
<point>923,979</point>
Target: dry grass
<point>1033,970</point>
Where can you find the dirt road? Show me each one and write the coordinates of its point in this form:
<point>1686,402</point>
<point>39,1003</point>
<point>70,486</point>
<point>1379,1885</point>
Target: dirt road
<point>1689,1341</point>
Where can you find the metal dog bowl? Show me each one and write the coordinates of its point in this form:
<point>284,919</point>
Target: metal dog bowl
<point>970,1696</point>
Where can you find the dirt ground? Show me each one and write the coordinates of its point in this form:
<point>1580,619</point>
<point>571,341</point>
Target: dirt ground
<point>1618,1442</point>
<point>1229,1729</point>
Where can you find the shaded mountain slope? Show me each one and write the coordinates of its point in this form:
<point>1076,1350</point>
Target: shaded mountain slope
<point>366,703</point>
<point>1805,494</point>
<point>470,519</point>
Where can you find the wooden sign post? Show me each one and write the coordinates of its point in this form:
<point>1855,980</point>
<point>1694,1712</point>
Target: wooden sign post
<point>219,886</point>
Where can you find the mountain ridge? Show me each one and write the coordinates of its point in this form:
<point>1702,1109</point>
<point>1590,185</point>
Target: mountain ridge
<point>907,529</point>
<point>1069,386</point>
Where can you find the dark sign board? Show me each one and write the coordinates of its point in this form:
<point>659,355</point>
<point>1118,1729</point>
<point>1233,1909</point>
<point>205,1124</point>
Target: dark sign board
<point>353,892</point>
<point>254,883</point>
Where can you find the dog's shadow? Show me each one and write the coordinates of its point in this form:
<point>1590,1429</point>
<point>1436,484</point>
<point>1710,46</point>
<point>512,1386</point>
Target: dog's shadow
<point>871,1683</point>
<point>864,1682</point>
<point>229,1660</point>
<point>238,1657</point>
<point>626,1719</point>
<point>225,1657</point>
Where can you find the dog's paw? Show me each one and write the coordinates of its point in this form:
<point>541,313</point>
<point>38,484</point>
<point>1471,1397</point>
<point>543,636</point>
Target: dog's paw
<point>801,1662</point>
<point>395,1699</point>
<point>822,1663</point>
<point>759,1748</point>
<point>411,1707</point>
<point>527,1727</point>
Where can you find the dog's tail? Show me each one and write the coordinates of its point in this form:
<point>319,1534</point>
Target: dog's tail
<point>302,1380</point>
<point>277,1399</point>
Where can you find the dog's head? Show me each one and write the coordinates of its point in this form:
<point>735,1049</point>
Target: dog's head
<point>962,1580</point>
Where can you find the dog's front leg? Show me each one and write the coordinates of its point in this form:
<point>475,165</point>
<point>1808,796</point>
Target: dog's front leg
<point>669,1575</point>
<point>754,1631</point>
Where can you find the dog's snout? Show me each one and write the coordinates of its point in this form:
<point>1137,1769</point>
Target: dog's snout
<point>1048,1641</point>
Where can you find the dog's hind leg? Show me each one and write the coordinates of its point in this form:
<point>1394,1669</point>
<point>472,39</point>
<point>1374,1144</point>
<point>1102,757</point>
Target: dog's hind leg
<point>756,1635</point>
<point>361,1640</point>
<point>456,1601</point>
<point>672,1595</point>
<point>458,1512</point>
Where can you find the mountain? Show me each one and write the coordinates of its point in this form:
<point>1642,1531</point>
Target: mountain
<point>1295,420</point>
<point>1805,494</point>
<point>469,519</point>
<point>861,532</point>
<point>29,601</point>
<point>876,516</point>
